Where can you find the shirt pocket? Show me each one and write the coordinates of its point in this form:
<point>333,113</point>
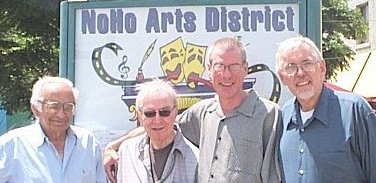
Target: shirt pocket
<point>81,175</point>
<point>88,175</point>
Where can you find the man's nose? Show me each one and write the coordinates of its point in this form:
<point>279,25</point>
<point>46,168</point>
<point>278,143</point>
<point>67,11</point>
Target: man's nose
<point>157,116</point>
<point>226,72</point>
<point>300,70</point>
<point>61,112</point>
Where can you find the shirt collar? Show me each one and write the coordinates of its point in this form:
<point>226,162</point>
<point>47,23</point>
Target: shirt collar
<point>215,106</point>
<point>320,112</point>
<point>246,107</point>
<point>37,137</point>
<point>178,145</point>
<point>323,106</point>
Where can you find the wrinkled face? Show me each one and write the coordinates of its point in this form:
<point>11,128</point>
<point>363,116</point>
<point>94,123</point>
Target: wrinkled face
<point>305,84</point>
<point>53,119</point>
<point>155,119</point>
<point>193,65</point>
<point>228,84</point>
<point>172,57</point>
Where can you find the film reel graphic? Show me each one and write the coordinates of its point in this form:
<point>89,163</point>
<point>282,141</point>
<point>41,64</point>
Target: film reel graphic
<point>276,93</point>
<point>103,74</point>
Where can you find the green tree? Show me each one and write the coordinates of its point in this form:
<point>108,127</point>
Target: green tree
<point>338,22</point>
<point>29,40</point>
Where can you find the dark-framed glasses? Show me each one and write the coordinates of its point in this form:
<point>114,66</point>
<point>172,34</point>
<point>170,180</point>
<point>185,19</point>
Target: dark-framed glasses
<point>164,112</point>
<point>233,68</point>
<point>307,65</point>
<point>55,106</point>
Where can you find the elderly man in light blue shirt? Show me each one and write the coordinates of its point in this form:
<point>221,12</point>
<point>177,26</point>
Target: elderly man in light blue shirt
<point>51,150</point>
<point>328,136</point>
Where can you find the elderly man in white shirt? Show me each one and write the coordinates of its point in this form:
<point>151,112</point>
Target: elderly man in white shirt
<point>162,154</point>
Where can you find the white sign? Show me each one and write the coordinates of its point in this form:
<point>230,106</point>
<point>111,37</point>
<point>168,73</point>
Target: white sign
<point>116,48</point>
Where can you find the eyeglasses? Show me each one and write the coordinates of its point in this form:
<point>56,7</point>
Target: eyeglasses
<point>164,112</point>
<point>233,68</point>
<point>308,65</point>
<point>55,106</point>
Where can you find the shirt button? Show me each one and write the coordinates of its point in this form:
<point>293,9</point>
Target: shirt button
<point>211,176</point>
<point>302,130</point>
<point>216,157</point>
<point>219,138</point>
<point>301,151</point>
<point>301,172</point>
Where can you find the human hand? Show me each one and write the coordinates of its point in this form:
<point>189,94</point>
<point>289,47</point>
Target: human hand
<point>110,161</point>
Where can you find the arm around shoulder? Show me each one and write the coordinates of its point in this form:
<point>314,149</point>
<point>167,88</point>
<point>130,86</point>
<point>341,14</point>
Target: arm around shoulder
<point>111,158</point>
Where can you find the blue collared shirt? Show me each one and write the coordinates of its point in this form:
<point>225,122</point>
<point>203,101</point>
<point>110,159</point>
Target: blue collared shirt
<point>27,155</point>
<point>337,144</point>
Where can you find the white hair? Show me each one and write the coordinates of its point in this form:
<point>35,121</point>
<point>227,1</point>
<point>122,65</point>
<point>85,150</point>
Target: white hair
<point>39,85</point>
<point>152,88</point>
<point>294,42</point>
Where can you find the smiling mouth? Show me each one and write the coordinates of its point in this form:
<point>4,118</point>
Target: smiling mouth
<point>58,122</point>
<point>303,83</point>
<point>157,129</point>
<point>227,84</point>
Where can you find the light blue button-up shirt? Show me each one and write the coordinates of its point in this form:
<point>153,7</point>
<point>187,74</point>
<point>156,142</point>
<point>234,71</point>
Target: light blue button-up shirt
<point>337,144</point>
<point>27,155</point>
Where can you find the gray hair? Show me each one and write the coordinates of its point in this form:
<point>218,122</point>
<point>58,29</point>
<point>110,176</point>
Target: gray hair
<point>152,88</point>
<point>294,42</point>
<point>39,85</point>
<point>228,44</point>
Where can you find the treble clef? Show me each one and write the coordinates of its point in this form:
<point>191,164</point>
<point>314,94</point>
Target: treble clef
<point>123,68</point>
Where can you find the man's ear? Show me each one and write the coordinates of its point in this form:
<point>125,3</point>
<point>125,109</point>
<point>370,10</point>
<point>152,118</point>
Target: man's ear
<point>282,77</point>
<point>209,68</point>
<point>139,117</point>
<point>36,110</point>
<point>323,68</point>
<point>245,64</point>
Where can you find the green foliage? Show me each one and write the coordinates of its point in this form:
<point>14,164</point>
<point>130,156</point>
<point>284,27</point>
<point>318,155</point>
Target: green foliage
<point>340,22</point>
<point>29,40</point>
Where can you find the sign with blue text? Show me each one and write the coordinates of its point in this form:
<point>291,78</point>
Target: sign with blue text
<point>108,47</point>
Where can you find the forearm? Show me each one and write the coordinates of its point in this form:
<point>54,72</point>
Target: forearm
<point>114,145</point>
<point>111,157</point>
